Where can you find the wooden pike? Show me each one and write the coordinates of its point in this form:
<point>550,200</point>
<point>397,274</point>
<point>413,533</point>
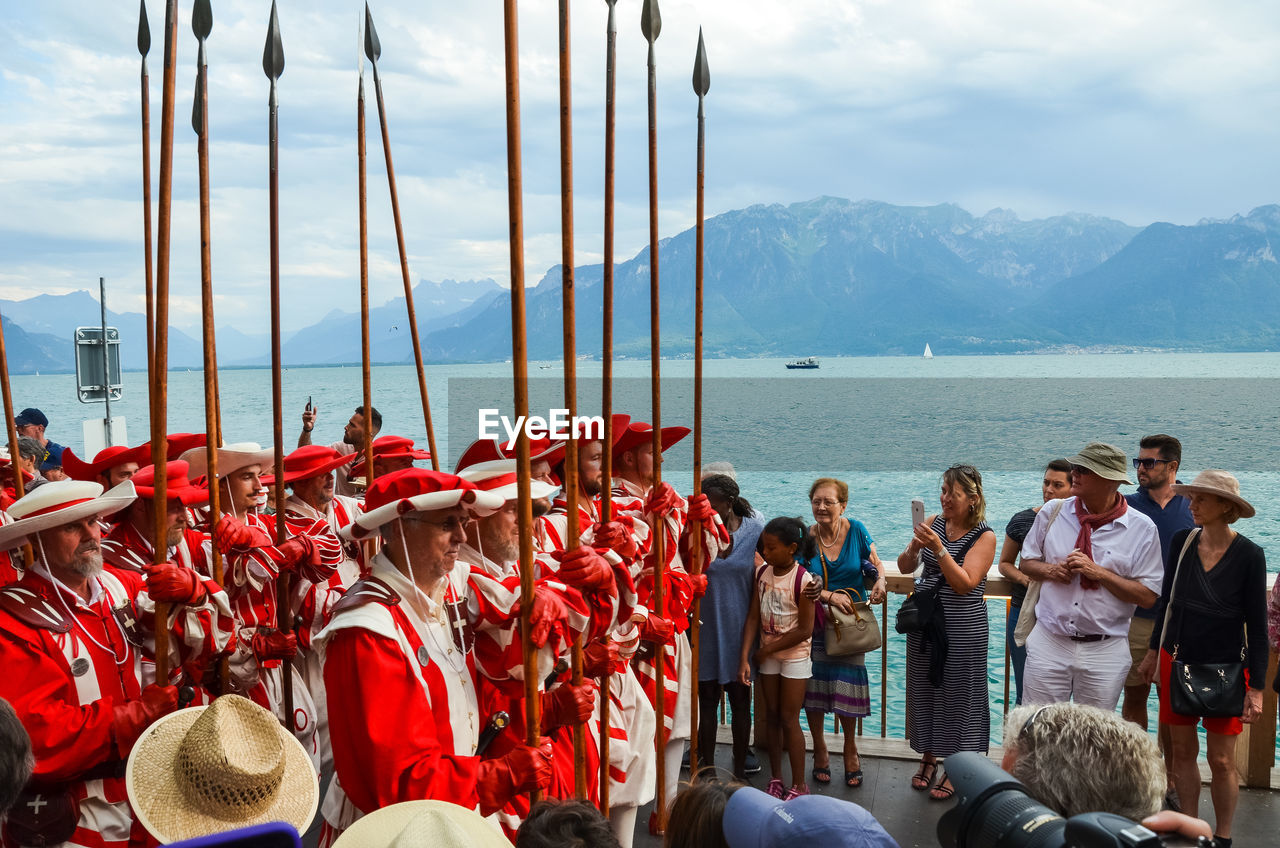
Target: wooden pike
<point>373,49</point>
<point>651,26</point>
<point>19,487</point>
<point>366,370</point>
<point>606,375</point>
<point>160,389</point>
<point>701,84</point>
<point>144,47</point>
<point>570,360</point>
<point>273,67</point>
<point>202,25</point>
<point>520,372</point>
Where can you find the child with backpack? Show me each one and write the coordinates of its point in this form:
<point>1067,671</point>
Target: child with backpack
<point>782,615</point>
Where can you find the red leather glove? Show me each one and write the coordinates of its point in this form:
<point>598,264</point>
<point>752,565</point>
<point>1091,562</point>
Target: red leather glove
<point>614,535</point>
<point>297,552</point>
<point>130,719</point>
<point>170,583</point>
<point>700,508</point>
<point>522,770</point>
<point>233,534</point>
<point>658,631</point>
<point>567,704</point>
<point>698,583</point>
<point>583,568</point>
<point>548,610</point>
<point>662,500</point>
<point>274,645</point>
<point>600,659</point>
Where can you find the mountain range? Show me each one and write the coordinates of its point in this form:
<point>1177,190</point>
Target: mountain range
<point>822,277</point>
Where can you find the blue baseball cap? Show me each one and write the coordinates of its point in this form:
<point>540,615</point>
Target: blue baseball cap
<point>31,415</point>
<point>755,819</point>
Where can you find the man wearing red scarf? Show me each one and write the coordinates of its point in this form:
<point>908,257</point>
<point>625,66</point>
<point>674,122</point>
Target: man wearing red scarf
<point>1098,560</point>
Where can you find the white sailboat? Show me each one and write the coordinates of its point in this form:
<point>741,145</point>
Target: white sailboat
<point>928,354</point>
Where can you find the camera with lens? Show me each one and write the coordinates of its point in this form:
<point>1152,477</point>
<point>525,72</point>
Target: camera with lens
<point>994,810</point>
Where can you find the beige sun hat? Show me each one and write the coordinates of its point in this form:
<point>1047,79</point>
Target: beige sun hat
<point>422,824</point>
<point>1215,481</point>
<point>1107,461</point>
<point>231,458</point>
<point>211,769</point>
<point>61,502</point>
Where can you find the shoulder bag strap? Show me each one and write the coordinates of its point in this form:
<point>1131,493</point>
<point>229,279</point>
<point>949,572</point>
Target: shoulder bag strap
<point>1173,588</point>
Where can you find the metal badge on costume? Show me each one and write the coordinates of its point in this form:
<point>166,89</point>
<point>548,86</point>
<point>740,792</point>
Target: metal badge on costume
<point>464,635</point>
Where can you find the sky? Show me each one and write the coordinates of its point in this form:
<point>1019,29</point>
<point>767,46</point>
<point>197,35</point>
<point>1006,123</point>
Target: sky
<point>1141,111</point>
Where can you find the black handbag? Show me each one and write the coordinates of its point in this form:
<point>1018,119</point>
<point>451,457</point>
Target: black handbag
<point>1210,690</point>
<point>918,609</point>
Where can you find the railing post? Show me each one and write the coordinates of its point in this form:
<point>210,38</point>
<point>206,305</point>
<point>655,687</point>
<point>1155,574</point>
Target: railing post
<point>1256,752</point>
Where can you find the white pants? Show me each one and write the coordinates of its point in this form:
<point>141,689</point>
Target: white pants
<point>1061,669</point>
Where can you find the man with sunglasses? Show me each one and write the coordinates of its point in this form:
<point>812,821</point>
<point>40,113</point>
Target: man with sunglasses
<point>1157,468</point>
<point>1098,561</point>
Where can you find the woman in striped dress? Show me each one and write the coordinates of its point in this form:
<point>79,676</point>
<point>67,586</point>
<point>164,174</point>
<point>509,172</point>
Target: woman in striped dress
<point>958,548</point>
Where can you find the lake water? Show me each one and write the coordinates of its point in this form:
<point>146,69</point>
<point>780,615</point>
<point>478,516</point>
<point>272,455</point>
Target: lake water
<point>887,425</point>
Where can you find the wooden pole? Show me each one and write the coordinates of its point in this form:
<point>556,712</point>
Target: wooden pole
<point>159,397</point>
<point>366,369</point>
<point>606,375</point>
<point>520,372</point>
<point>651,26</point>
<point>701,83</point>
<point>570,362</point>
<point>11,426</point>
<point>373,49</point>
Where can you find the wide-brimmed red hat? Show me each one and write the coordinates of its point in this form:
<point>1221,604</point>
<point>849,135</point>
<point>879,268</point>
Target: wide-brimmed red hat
<point>638,433</point>
<point>309,461</point>
<point>106,459</point>
<point>491,450</point>
<point>391,447</point>
<point>176,486</point>
<point>499,476</point>
<point>418,490</point>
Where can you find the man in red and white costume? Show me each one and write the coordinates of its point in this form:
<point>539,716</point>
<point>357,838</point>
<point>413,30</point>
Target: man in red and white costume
<point>633,468</point>
<point>404,717</point>
<point>201,623</point>
<point>254,564</point>
<point>560,616</point>
<point>312,508</point>
<point>69,646</point>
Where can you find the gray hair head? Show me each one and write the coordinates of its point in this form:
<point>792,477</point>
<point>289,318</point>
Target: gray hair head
<point>725,468</point>
<point>29,447</point>
<point>1079,759</point>
<point>16,761</point>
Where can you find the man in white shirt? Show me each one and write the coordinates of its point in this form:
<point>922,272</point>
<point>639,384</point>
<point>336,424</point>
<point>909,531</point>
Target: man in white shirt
<point>1097,560</point>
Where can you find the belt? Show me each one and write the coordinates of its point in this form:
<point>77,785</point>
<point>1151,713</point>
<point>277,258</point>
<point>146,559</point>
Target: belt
<point>1094,637</point>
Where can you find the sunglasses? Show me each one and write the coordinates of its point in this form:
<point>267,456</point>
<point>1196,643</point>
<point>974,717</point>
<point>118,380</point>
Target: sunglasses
<point>1148,462</point>
<point>1081,470</point>
<point>1027,733</point>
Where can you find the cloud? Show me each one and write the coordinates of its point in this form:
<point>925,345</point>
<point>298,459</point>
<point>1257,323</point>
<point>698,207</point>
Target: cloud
<point>1143,111</point>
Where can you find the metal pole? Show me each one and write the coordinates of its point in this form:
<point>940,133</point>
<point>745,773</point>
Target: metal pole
<point>106,360</point>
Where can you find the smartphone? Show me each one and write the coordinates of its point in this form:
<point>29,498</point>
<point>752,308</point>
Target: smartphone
<point>308,403</point>
<point>917,511</point>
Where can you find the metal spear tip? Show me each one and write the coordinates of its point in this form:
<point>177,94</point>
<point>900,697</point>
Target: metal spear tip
<point>701,72</point>
<point>273,52</point>
<point>650,20</point>
<point>202,19</point>
<point>360,47</point>
<point>144,29</point>
<point>372,46</point>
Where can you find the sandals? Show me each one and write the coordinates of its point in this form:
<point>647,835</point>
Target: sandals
<point>853,778</point>
<point>822,774</point>
<point>923,778</point>
<point>943,791</point>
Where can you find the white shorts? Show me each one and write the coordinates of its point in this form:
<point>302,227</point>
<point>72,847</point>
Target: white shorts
<point>797,669</point>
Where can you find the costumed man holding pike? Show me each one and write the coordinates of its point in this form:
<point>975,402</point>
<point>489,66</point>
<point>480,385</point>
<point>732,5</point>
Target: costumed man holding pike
<point>72,641</point>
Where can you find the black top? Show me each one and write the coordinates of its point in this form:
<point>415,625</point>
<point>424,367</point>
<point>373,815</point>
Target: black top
<point>1017,529</point>
<point>1211,610</point>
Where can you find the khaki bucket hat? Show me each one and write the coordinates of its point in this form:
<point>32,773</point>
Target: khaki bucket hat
<point>1107,461</point>
<point>211,769</point>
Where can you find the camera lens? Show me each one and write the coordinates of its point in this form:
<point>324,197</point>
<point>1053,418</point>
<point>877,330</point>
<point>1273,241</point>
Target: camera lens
<point>994,811</point>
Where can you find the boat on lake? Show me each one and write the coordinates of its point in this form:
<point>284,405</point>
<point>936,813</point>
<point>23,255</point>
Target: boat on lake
<point>807,362</point>
<point>928,354</point>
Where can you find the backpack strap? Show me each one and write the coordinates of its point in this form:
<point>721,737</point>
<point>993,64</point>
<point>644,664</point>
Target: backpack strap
<point>800,572</point>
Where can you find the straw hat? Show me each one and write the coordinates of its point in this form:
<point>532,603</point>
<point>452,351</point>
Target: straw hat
<point>210,769</point>
<point>417,490</point>
<point>177,485</point>
<point>231,458</point>
<point>1214,481</point>
<point>61,502</point>
<point>1107,461</point>
<point>499,476</point>
<point>422,824</point>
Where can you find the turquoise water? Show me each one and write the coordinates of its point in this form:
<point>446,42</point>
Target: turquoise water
<point>887,425</point>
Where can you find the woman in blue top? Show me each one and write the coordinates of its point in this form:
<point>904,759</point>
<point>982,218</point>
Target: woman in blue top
<point>839,684</point>
<point>730,578</point>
